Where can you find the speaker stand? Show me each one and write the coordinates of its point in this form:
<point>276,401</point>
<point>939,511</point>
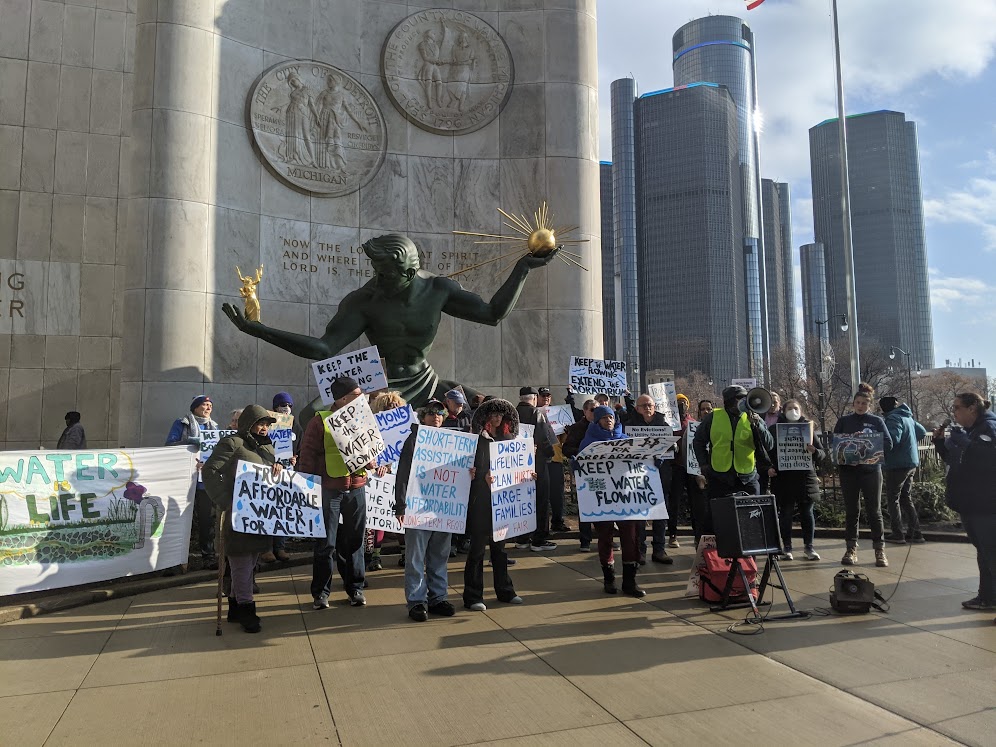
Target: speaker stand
<point>724,602</point>
<point>772,562</point>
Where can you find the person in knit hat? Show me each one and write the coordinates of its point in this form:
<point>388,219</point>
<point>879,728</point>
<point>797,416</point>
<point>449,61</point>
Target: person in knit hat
<point>284,404</point>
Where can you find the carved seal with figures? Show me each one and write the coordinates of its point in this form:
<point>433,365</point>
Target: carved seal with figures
<point>447,71</point>
<point>316,128</point>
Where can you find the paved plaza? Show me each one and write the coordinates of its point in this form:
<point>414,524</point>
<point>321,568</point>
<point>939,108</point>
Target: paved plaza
<point>572,666</point>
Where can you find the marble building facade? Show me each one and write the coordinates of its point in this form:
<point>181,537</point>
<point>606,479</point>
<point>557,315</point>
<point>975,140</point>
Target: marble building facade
<point>135,224</point>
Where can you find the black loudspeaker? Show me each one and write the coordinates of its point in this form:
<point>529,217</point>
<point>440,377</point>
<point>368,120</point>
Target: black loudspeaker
<point>852,593</point>
<point>746,525</point>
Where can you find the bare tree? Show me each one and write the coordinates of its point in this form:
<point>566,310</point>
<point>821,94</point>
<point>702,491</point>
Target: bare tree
<point>696,386</point>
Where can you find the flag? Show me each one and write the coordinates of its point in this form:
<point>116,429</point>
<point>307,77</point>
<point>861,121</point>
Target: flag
<point>751,4</point>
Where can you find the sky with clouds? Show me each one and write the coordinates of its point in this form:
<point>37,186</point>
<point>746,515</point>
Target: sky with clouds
<point>934,60</point>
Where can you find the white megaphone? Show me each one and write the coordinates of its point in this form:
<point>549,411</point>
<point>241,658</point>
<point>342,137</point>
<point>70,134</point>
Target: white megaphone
<point>759,400</point>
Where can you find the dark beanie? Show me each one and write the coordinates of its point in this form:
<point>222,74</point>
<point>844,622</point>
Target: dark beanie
<point>343,386</point>
<point>888,404</point>
<point>601,411</point>
<point>282,398</point>
<point>199,400</point>
<point>73,417</point>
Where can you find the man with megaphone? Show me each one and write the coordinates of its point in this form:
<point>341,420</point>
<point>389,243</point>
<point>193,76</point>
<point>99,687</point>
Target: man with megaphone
<point>729,443</point>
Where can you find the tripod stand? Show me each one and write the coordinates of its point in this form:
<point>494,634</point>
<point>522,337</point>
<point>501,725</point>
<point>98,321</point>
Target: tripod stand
<point>736,568</point>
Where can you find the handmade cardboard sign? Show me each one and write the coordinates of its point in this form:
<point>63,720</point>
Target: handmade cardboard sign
<point>363,366</point>
<point>355,431</point>
<point>619,480</point>
<point>210,439</point>
<point>438,489</point>
<point>513,492</point>
<point>395,426</point>
<point>284,505</point>
<point>282,435</point>
<point>595,376</point>
<point>792,440</point>
<point>853,449</point>
<point>380,505</point>
<point>666,401</point>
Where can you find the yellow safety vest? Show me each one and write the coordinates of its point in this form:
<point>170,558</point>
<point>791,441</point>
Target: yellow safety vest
<point>729,450</point>
<point>334,464</point>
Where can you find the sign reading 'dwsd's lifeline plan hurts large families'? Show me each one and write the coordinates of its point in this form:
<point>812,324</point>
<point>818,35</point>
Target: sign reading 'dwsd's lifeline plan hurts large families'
<point>380,504</point>
<point>792,439</point>
<point>617,480</point>
<point>75,517</point>
<point>363,366</point>
<point>354,429</point>
<point>210,439</point>
<point>595,376</point>
<point>867,447</point>
<point>513,491</point>
<point>395,425</point>
<point>284,505</point>
<point>438,488</point>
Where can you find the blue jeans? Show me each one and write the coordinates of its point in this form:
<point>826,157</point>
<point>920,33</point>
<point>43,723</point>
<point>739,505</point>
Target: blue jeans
<point>981,530</point>
<point>343,542</point>
<point>426,556</point>
<point>658,536</point>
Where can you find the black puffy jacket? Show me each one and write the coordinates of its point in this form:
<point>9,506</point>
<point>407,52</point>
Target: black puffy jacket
<point>971,458</point>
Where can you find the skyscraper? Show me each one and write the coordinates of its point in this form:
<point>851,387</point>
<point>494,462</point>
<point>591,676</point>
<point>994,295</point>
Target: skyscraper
<point>692,274</point>
<point>608,262</point>
<point>890,255</point>
<point>780,283</point>
<point>814,302</point>
<point>627,317</point>
<point>720,49</point>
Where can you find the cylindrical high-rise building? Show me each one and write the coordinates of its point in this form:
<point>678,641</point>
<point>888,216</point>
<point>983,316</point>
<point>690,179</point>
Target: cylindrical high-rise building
<point>608,260</point>
<point>720,49</point>
<point>814,302</point>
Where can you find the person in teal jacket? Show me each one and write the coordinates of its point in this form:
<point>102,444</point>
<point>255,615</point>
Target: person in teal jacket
<point>900,465</point>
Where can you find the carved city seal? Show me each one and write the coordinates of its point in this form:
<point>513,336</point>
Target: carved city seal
<point>447,71</point>
<point>316,128</point>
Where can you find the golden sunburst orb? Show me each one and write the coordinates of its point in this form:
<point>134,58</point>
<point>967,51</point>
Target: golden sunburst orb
<point>542,241</point>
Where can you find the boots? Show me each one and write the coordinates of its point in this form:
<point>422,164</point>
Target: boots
<point>629,580</point>
<point>248,619</point>
<point>609,578</point>
<point>233,610</point>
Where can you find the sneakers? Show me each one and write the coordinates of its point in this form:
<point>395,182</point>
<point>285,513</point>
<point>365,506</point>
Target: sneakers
<point>268,557</point>
<point>787,555</point>
<point>916,539</point>
<point>476,607</point>
<point>585,547</point>
<point>418,613</point>
<point>511,562</point>
<point>880,560</point>
<point>850,557</point>
<point>673,542</point>
<point>443,609</point>
<point>522,545</point>
<point>895,539</point>
<point>356,599</point>
<point>978,603</point>
<point>374,564</point>
<point>514,600</point>
<point>320,603</point>
<point>546,546</point>
<point>281,555</point>
<point>662,557</point>
<point>811,554</point>
<point>561,527</point>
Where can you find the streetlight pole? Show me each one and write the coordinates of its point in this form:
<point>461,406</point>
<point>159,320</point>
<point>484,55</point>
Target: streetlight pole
<point>909,372</point>
<point>845,204</point>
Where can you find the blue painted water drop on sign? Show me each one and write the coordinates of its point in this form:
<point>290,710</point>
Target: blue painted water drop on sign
<point>245,467</point>
<point>239,505</point>
<point>530,462</point>
<point>311,482</point>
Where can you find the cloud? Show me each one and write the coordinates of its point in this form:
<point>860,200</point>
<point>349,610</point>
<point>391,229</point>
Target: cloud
<point>950,293</point>
<point>974,204</point>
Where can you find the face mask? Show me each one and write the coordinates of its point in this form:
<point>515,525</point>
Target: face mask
<point>792,415</point>
<point>742,404</point>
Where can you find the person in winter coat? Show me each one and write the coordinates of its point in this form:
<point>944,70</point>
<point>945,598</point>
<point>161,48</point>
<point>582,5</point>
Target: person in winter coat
<point>186,430</point>
<point>494,420</point>
<point>573,436</point>
<point>796,488</point>
<point>638,414</point>
<point>73,437</point>
<point>373,539</point>
<point>544,439</point>
<point>863,479</point>
<point>900,465</point>
<point>251,444</point>
<point>605,428</point>
<point>426,551</point>
<point>970,453</point>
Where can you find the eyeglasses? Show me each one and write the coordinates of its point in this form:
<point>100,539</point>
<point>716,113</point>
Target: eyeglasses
<point>437,412</point>
<point>648,406</point>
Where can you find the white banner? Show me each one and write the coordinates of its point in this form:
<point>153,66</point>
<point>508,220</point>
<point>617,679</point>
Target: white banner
<point>380,504</point>
<point>355,431</point>
<point>513,492</point>
<point>651,431</point>
<point>288,505</point>
<point>560,417</point>
<point>618,480</point>
<point>210,439</point>
<point>75,517</point>
<point>665,398</point>
<point>747,384</point>
<point>395,426</point>
<point>792,439</point>
<point>596,376</point>
<point>363,366</point>
<point>691,461</point>
<point>282,435</point>
<point>438,489</point>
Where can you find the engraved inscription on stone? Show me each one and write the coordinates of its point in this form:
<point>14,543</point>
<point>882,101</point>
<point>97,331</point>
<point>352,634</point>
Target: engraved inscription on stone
<point>447,71</point>
<point>316,127</point>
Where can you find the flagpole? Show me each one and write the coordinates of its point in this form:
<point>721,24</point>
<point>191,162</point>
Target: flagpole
<point>845,204</point>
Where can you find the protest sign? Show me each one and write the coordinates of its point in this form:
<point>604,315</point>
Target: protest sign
<point>706,542</point>
<point>665,398</point>
<point>395,426</point>
<point>282,435</point>
<point>852,449</point>
<point>209,439</point>
<point>595,376</point>
<point>619,480</point>
<point>76,517</point>
<point>363,366</point>
<point>792,439</point>
<point>654,431</point>
<point>747,384</point>
<point>284,505</point>
<point>380,505</point>
<point>355,431</point>
<point>438,488</point>
<point>559,417</point>
<point>526,430</point>
<point>513,492</point>
<point>691,461</point>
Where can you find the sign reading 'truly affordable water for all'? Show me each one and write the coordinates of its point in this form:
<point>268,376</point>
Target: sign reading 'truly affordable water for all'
<point>284,505</point>
<point>438,489</point>
<point>513,489</point>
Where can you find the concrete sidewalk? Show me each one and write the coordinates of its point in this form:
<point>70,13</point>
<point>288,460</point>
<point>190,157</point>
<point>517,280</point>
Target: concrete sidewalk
<point>573,666</point>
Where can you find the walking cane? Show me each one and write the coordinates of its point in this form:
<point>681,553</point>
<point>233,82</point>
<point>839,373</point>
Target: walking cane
<point>221,566</point>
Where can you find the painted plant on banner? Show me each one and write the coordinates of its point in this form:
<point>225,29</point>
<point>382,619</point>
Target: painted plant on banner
<point>74,517</point>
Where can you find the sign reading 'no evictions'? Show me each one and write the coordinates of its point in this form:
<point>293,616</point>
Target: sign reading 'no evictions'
<point>617,480</point>
<point>438,489</point>
<point>513,492</point>
<point>363,366</point>
<point>652,431</point>
<point>355,431</point>
<point>285,505</point>
<point>380,504</point>
<point>595,376</point>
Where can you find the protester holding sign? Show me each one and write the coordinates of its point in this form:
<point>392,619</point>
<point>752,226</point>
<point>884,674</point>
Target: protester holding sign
<point>251,444</point>
<point>186,430</point>
<point>643,419</point>
<point>286,448</point>
<point>863,479</point>
<point>573,437</point>
<point>494,420</point>
<point>794,479</point>
<point>528,414</point>
<point>394,419</point>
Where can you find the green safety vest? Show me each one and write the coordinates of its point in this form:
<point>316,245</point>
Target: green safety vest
<point>334,464</point>
<point>729,450</point>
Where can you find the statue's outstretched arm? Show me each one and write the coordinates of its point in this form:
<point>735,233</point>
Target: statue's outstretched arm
<point>466,305</point>
<point>345,327</point>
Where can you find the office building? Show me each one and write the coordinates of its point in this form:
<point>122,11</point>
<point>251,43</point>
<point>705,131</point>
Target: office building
<point>890,257</point>
<point>608,262</point>
<point>778,264</point>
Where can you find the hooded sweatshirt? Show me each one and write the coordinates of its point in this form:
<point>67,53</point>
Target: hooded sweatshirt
<point>906,434</point>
